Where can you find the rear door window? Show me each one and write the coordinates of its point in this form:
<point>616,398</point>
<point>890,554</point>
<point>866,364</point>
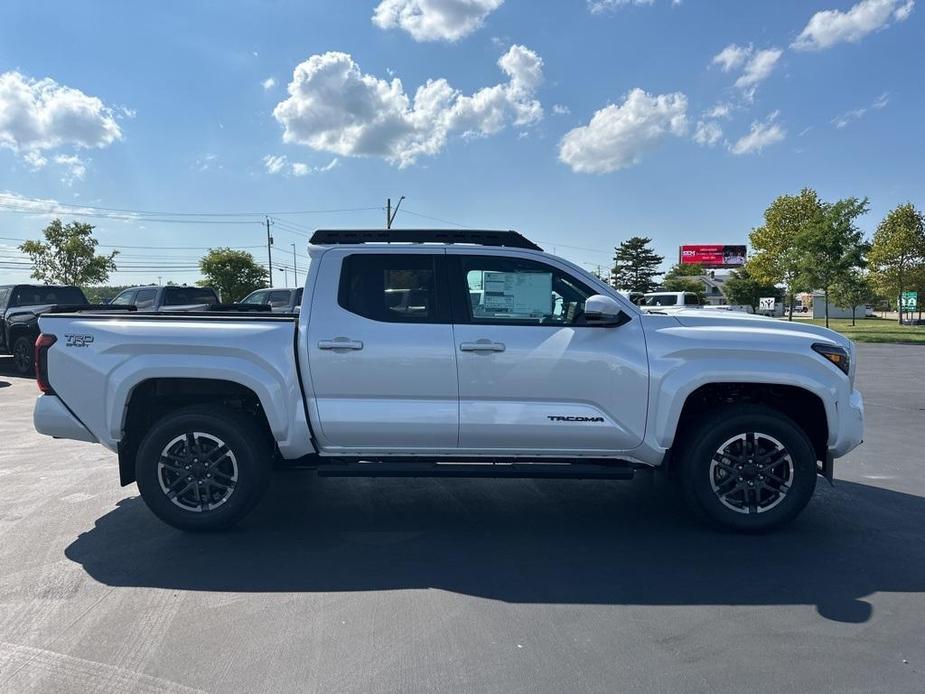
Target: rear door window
<point>125,298</point>
<point>279,298</point>
<point>145,298</point>
<point>393,288</point>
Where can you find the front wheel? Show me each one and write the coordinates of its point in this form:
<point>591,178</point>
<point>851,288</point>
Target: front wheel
<point>23,350</point>
<point>747,467</point>
<point>203,467</point>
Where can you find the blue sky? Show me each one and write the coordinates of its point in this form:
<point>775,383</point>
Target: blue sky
<point>578,123</point>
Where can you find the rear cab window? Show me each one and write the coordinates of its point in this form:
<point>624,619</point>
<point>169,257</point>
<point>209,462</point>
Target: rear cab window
<point>393,288</point>
<point>183,296</point>
<point>37,296</point>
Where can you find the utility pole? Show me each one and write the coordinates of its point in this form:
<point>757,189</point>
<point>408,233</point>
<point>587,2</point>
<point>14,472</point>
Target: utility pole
<point>295,268</point>
<point>269,251</point>
<point>389,215</point>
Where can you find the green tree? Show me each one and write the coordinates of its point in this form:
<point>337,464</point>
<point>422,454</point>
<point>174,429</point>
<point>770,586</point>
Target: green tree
<point>832,245</point>
<point>635,265</point>
<point>685,270</point>
<point>68,255</point>
<point>898,250</point>
<point>853,289</point>
<point>234,274</point>
<point>743,289</point>
<point>776,255</point>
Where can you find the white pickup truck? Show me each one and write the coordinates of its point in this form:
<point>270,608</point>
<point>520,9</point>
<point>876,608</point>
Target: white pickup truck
<point>444,353</point>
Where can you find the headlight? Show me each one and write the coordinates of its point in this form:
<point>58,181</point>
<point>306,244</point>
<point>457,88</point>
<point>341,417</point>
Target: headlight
<point>835,354</point>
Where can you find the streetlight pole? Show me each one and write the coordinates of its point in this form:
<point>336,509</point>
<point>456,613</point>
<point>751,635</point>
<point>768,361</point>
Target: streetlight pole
<point>295,267</point>
<point>285,276</point>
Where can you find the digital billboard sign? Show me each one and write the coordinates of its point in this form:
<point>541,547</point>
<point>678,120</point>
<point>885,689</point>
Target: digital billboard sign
<point>712,256</point>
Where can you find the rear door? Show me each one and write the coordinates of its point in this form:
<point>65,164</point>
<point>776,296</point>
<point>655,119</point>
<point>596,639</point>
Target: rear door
<point>532,375</point>
<point>382,362</point>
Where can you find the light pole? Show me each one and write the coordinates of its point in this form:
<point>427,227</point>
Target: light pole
<point>295,268</point>
<point>285,277</point>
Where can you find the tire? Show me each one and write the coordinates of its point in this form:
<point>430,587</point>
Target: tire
<point>23,355</point>
<point>220,486</point>
<point>745,491</point>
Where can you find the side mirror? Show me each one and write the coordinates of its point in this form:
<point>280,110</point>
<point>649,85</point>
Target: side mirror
<point>602,310</point>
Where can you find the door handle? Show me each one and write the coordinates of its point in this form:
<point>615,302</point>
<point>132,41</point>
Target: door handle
<point>340,343</point>
<point>482,346</point>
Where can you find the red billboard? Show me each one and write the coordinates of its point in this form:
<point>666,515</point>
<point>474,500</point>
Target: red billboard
<point>712,256</point>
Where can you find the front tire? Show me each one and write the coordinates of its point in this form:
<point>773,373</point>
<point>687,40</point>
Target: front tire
<point>203,467</point>
<point>23,351</point>
<point>747,467</point>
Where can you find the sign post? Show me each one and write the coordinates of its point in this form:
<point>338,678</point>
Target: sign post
<point>766,303</point>
<point>908,302</point>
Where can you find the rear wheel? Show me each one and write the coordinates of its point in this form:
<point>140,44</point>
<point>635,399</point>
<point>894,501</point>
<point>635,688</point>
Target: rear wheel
<point>23,351</point>
<point>203,467</point>
<point>747,467</point>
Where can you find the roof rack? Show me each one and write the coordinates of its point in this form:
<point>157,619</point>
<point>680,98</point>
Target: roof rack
<point>481,237</point>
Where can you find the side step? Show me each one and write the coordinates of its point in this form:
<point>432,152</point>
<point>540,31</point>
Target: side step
<point>613,470</point>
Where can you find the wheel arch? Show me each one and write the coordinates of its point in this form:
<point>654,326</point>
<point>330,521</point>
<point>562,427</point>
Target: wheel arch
<point>151,399</point>
<point>800,404</point>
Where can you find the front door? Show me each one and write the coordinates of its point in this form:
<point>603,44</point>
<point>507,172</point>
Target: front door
<point>381,357</point>
<point>532,375</point>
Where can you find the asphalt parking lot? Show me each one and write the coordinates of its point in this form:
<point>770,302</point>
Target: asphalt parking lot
<point>385,585</point>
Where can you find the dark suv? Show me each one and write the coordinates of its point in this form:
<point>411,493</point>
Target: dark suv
<point>20,306</point>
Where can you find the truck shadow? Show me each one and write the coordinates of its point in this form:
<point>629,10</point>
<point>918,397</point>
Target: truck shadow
<point>524,542</point>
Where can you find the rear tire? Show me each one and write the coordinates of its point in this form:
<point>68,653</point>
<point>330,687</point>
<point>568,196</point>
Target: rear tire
<point>747,467</point>
<point>203,467</point>
<point>23,355</point>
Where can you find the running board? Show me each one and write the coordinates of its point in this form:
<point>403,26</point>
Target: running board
<point>574,471</point>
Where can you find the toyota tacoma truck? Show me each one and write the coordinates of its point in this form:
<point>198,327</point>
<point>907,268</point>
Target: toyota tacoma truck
<point>445,353</point>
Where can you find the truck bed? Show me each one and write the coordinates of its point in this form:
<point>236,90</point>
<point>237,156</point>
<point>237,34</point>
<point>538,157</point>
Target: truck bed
<point>99,359</point>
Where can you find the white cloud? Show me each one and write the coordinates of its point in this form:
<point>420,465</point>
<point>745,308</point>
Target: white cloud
<point>279,164</point>
<point>206,162</point>
<point>732,56</point>
<point>300,169</point>
<point>759,67</point>
<point>38,115</point>
<point>274,164</point>
<point>74,168</point>
<point>708,133</point>
<point>720,110</point>
<point>561,110</point>
<point>618,136</point>
<point>600,6</point>
<point>856,114</point>
<point>268,83</point>
<point>434,20</point>
<point>334,107</point>
<point>830,27</point>
<point>34,160</point>
<point>762,134</point>
<point>40,206</point>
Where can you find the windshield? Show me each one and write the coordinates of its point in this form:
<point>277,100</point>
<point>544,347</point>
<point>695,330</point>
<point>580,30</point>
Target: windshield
<point>660,300</point>
<point>35,296</point>
<point>181,296</point>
